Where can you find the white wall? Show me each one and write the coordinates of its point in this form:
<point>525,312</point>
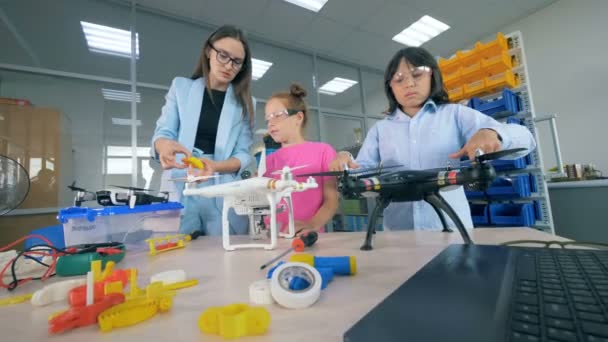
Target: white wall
<point>567,53</point>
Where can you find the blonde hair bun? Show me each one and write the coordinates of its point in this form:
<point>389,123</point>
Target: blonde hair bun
<point>297,91</point>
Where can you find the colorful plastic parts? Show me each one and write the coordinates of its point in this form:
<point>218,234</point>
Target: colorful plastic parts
<point>15,299</point>
<point>167,243</point>
<point>133,311</point>
<point>234,320</point>
<point>84,315</point>
<point>194,162</point>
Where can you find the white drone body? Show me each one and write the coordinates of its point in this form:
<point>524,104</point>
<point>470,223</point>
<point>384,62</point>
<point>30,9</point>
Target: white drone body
<point>253,197</point>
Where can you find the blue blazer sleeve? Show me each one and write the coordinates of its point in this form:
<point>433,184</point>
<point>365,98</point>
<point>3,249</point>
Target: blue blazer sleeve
<point>167,125</point>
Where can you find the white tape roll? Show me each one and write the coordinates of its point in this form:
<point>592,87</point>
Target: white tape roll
<point>295,299</point>
<point>169,277</point>
<point>259,292</point>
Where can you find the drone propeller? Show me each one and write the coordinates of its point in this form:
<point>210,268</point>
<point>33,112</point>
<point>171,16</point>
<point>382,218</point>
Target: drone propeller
<point>368,172</point>
<point>73,187</point>
<point>498,154</point>
<point>280,171</point>
<point>192,179</point>
<point>132,188</point>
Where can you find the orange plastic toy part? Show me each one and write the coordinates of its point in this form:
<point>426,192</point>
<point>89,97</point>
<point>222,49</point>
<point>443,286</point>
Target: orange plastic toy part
<point>77,296</point>
<point>194,162</point>
<point>84,315</point>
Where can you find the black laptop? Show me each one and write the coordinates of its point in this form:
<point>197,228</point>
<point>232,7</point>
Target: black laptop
<point>472,293</point>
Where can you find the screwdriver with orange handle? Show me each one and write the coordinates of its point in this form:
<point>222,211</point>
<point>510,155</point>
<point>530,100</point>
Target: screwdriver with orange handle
<point>305,240</point>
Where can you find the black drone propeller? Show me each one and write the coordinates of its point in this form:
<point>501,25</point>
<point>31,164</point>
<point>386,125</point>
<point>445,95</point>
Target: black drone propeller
<point>73,187</point>
<point>497,155</point>
<point>132,188</point>
<point>366,172</point>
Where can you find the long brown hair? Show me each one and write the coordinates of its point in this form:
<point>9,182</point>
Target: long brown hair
<point>242,80</point>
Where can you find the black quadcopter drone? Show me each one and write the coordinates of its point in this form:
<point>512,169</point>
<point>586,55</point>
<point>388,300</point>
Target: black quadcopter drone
<point>416,185</point>
<point>132,197</point>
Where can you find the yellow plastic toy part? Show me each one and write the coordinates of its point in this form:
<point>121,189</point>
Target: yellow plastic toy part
<point>113,287</point>
<point>133,311</point>
<point>234,320</point>
<point>15,299</point>
<point>303,257</point>
<point>181,285</point>
<point>194,162</point>
<point>167,243</point>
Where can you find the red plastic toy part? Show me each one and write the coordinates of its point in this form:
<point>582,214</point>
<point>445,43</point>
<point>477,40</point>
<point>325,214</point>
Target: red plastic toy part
<point>82,316</point>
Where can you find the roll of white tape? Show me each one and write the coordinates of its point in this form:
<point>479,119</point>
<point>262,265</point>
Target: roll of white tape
<point>259,292</point>
<point>285,274</point>
<point>169,277</point>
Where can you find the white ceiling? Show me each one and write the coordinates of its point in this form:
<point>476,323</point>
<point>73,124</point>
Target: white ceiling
<point>359,31</point>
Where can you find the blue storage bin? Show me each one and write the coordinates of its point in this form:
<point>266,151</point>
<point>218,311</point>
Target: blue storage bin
<point>53,233</point>
<point>511,187</point>
<point>512,214</point>
<point>508,102</point>
<point>474,194</point>
<point>515,121</point>
<point>533,185</point>
<point>479,214</point>
<point>509,164</point>
<point>537,210</point>
<point>528,159</point>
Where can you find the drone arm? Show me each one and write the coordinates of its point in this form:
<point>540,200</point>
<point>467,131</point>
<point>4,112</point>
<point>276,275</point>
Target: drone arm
<point>437,201</point>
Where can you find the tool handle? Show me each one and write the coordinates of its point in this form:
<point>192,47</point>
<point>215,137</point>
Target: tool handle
<point>309,238</point>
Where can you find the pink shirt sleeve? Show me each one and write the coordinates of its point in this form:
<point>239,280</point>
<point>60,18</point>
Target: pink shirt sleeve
<point>328,155</point>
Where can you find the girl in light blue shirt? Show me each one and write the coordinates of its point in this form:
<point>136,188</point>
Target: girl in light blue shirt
<point>422,130</point>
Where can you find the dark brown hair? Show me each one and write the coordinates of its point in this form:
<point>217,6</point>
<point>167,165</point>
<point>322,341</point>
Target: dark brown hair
<point>416,56</point>
<point>242,80</point>
<point>294,100</point>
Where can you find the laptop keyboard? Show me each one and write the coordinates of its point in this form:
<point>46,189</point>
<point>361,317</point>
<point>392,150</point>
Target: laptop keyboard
<point>560,295</point>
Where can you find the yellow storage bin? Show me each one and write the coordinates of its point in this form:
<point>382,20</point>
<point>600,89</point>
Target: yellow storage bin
<point>472,72</point>
<point>467,58</point>
<point>495,47</point>
<point>474,88</point>
<point>453,79</point>
<point>456,94</point>
<point>448,66</point>
<point>497,64</point>
<point>505,79</point>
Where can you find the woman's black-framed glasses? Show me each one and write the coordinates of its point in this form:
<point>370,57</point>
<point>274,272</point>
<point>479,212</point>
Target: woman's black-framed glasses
<point>224,58</point>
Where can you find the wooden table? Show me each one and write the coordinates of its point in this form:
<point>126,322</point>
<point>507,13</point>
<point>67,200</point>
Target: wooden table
<point>225,277</point>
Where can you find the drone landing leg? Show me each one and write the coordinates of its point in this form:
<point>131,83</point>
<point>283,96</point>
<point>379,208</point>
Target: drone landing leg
<point>444,223</point>
<point>381,204</point>
<point>435,200</point>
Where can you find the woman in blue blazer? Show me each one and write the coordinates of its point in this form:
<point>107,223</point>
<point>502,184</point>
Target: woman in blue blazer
<point>209,116</point>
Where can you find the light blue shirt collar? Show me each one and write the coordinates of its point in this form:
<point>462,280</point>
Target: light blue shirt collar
<point>398,115</point>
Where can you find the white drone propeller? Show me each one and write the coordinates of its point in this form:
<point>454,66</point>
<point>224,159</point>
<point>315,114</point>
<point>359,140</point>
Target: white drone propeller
<point>288,169</point>
<point>192,179</point>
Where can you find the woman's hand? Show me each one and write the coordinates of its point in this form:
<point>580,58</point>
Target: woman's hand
<point>342,158</point>
<point>485,139</point>
<point>167,149</point>
<point>209,168</point>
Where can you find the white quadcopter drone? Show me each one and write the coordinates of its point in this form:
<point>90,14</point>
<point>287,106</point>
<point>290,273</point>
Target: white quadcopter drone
<point>255,197</point>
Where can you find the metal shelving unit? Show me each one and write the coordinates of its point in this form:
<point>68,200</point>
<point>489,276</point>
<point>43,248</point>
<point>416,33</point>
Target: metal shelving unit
<point>528,115</point>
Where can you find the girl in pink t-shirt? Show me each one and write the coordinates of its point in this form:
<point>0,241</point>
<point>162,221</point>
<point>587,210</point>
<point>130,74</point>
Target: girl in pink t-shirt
<point>286,116</point>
